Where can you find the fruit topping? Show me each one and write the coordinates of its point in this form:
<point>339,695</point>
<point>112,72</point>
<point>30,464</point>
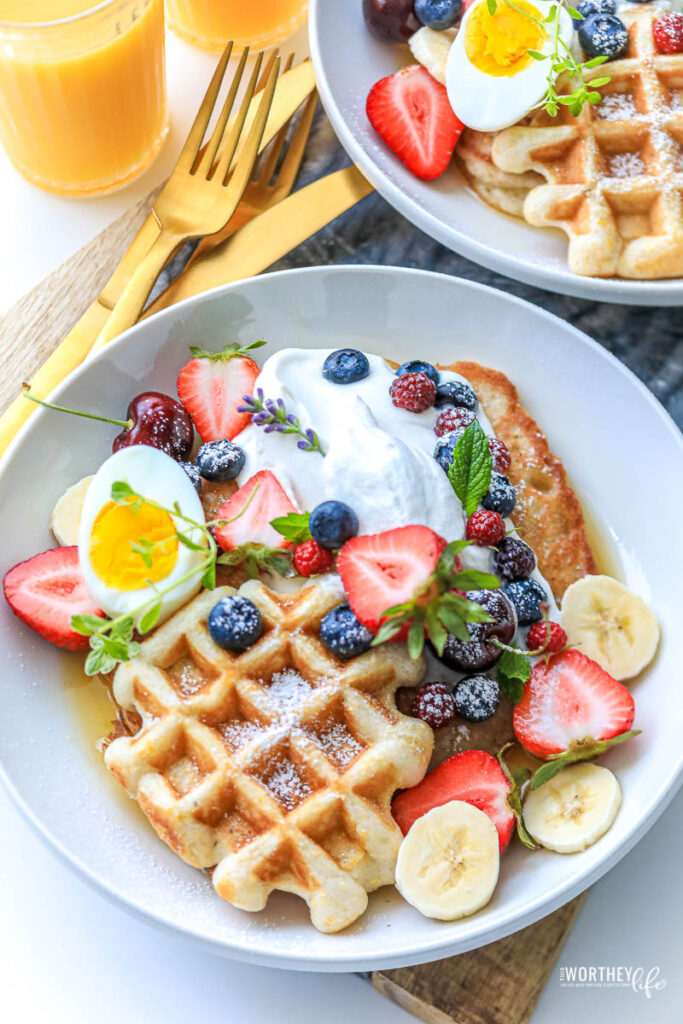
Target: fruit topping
<point>392,21</point>
<point>411,112</point>
<point>480,652</point>
<point>476,698</point>
<point>473,776</point>
<point>310,559</point>
<point>219,461</point>
<point>588,7</point>
<point>456,392</point>
<point>332,523</point>
<point>603,35</point>
<point>419,366</point>
<point>235,623</point>
<point>432,49</point>
<point>194,475</point>
<point>342,633</point>
<point>513,560</point>
<point>438,14</point>
<point>500,496</point>
<point>668,32</point>
<point>256,503</point>
<point>346,366</point>
<point>445,448</point>
<point>529,599</point>
<point>548,637</point>
<point>485,528</point>
<point>65,521</point>
<point>433,703</point>
<point>453,418</point>
<point>573,810</point>
<point>211,387</point>
<point>500,455</point>
<point>413,391</point>
<point>45,591</point>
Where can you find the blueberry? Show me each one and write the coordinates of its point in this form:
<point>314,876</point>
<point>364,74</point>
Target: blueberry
<point>445,446</point>
<point>527,597</point>
<point>480,653</point>
<point>346,366</point>
<point>603,35</point>
<point>342,633</point>
<point>455,392</point>
<point>588,7</point>
<point>333,523</point>
<point>513,560</point>
<point>438,14</point>
<point>418,366</point>
<point>194,475</point>
<point>476,698</point>
<point>235,623</point>
<point>220,460</point>
<point>500,496</point>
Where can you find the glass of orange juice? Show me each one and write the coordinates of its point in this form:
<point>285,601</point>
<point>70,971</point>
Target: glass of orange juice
<point>82,90</point>
<point>253,23</point>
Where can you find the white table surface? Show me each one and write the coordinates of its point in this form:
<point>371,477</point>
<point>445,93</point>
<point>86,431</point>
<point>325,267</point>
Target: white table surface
<point>68,956</point>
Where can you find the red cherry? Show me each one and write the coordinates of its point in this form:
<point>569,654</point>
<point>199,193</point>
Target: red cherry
<point>159,421</point>
<point>392,21</point>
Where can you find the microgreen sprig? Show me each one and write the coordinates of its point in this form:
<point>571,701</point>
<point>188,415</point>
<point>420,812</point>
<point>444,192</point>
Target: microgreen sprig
<point>272,415</point>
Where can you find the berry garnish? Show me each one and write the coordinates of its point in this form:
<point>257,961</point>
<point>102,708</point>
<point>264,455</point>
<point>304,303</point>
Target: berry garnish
<point>453,418</point>
<point>528,598</point>
<point>513,560</point>
<point>413,391</point>
<point>456,392</point>
<point>411,112</point>
<point>668,33</point>
<point>485,528</point>
<point>445,447</point>
<point>500,455</point>
<point>219,461</point>
<point>332,523</point>
<point>310,559</point>
<point>500,496</point>
<point>548,637</point>
<point>346,366</point>
<point>342,633</point>
<point>255,504</point>
<point>194,475</point>
<point>588,7</point>
<point>392,21</point>
<point>211,387</point>
<point>235,623</point>
<point>603,35</point>
<point>438,14</point>
<point>419,366</point>
<point>433,703</point>
<point>476,698</point>
<point>480,652</point>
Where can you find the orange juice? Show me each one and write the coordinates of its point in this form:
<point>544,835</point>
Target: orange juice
<point>82,90</point>
<point>253,23</point>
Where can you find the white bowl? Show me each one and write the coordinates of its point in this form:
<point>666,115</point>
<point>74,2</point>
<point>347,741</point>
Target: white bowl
<point>620,448</point>
<point>348,61</point>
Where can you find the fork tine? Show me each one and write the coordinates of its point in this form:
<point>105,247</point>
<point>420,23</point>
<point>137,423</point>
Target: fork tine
<point>209,155</point>
<point>270,163</point>
<point>229,145</point>
<point>295,151</point>
<point>266,71</point>
<point>244,166</point>
<point>188,153</point>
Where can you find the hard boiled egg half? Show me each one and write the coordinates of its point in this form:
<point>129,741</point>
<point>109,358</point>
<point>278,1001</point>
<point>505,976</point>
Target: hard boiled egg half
<point>491,79</point>
<point>112,534</point>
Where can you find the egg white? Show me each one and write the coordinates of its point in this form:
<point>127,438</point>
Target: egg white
<point>156,476</point>
<point>489,102</point>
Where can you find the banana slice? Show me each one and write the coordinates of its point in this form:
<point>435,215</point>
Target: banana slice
<point>572,811</point>
<point>448,863</point>
<point>431,49</point>
<point>610,624</point>
<point>65,520</point>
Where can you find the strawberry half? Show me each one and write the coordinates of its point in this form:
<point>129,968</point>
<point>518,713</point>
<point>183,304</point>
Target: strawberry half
<point>211,387</point>
<point>45,591</point>
<point>568,700</point>
<point>473,776</point>
<point>381,570</point>
<point>253,527</point>
<point>411,113</point>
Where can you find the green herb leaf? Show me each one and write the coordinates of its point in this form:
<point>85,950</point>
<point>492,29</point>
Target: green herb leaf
<point>579,750</point>
<point>473,579</point>
<point>186,542</point>
<point>416,638</point>
<point>144,549</point>
<point>517,780</point>
<point>512,672</point>
<point>231,351</point>
<point>99,662</point>
<point>150,618</point>
<point>209,576</point>
<point>438,634</point>
<point>123,629</point>
<point>573,13</point>
<point>293,527</point>
<point>121,492</point>
<point>492,6</point>
<point>86,625</point>
<point>470,470</point>
<point>595,62</point>
<point>387,631</point>
<point>538,56</point>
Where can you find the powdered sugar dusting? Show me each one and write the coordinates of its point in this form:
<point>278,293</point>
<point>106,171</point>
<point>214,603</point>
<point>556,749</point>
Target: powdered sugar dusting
<point>236,732</point>
<point>287,786</point>
<point>289,687</point>
<point>625,165</point>
<point>340,745</point>
<point>618,106</point>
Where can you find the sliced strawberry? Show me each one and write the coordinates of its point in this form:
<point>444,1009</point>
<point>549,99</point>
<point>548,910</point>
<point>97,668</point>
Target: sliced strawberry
<point>570,699</point>
<point>45,591</point>
<point>211,387</point>
<point>411,113</point>
<point>253,526</point>
<point>381,570</point>
<point>473,776</point>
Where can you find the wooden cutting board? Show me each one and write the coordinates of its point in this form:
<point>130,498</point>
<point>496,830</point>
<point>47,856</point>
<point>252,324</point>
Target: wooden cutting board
<point>497,984</point>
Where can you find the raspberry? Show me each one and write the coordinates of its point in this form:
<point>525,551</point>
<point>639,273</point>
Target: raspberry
<point>413,391</point>
<point>453,418</point>
<point>546,636</point>
<point>485,528</point>
<point>500,455</point>
<point>310,558</point>
<point>434,704</point>
<point>668,33</point>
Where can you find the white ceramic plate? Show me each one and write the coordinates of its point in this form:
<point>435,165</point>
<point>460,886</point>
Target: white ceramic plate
<point>348,60</point>
<point>623,453</point>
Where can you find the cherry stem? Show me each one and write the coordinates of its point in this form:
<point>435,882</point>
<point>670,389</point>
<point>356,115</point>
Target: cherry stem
<point>126,424</point>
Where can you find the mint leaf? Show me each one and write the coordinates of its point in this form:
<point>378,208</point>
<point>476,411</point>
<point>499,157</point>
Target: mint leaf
<point>470,470</point>
<point>99,662</point>
<point>473,579</point>
<point>231,351</point>
<point>293,527</point>
<point>512,672</point>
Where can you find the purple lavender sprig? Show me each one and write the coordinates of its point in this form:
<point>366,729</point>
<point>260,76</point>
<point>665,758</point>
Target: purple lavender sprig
<point>271,414</point>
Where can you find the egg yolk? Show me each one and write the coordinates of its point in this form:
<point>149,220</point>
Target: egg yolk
<point>113,558</point>
<point>497,43</point>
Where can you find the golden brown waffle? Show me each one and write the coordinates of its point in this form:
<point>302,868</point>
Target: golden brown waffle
<point>275,766</point>
<point>614,172</point>
<point>505,192</point>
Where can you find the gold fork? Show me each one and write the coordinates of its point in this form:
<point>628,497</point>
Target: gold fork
<point>201,195</point>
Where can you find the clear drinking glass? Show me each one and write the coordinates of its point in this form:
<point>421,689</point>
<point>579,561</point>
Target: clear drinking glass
<point>254,23</point>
